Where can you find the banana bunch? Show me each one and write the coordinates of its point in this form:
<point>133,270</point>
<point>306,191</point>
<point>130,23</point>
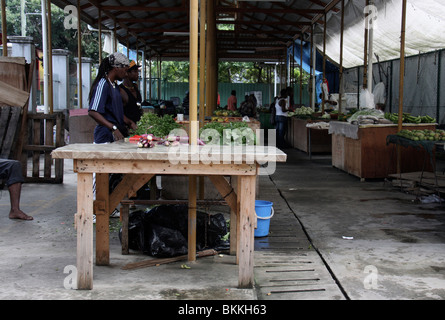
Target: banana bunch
<point>428,119</point>
<point>408,118</point>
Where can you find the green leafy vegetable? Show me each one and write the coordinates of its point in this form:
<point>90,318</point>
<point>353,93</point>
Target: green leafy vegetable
<point>151,123</point>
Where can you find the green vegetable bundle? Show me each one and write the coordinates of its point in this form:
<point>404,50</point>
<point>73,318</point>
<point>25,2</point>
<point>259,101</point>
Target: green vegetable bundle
<point>420,135</point>
<point>151,123</point>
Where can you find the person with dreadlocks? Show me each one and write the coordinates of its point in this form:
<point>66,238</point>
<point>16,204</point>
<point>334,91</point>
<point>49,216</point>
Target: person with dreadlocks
<point>105,100</point>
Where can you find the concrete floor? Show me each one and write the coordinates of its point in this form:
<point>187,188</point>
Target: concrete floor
<point>362,240</point>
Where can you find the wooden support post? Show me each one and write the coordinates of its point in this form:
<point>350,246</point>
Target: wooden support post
<point>194,18</point>
<point>202,70</point>
<point>212,64</point>
<point>192,219</point>
<point>247,224</point>
<point>4,31</point>
<point>102,212</point>
<point>202,79</point>
<point>234,216</point>
<point>125,208</point>
<point>84,223</point>
<point>226,190</point>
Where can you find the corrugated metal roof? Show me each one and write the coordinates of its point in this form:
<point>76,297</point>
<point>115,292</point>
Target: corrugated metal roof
<point>261,29</point>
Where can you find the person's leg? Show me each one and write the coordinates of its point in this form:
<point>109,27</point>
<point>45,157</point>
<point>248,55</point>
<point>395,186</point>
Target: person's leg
<point>280,131</point>
<point>11,170</point>
<point>14,194</point>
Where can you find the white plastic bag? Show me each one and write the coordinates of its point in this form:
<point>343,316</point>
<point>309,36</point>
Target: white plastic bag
<point>366,100</point>
<point>380,93</point>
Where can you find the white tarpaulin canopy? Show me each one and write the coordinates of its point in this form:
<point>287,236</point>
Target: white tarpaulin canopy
<point>425,25</point>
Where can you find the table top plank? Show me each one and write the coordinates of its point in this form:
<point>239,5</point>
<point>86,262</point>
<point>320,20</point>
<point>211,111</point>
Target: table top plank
<point>129,151</point>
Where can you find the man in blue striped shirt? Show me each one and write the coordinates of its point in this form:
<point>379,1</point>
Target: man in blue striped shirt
<point>105,101</point>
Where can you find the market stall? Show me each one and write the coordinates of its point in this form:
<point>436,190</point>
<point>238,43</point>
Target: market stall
<point>362,150</point>
<point>307,136</point>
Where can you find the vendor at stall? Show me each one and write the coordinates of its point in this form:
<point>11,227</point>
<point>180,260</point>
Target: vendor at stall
<point>331,103</point>
<point>282,108</point>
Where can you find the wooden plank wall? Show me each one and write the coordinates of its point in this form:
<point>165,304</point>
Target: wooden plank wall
<point>41,143</point>
<point>9,128</point>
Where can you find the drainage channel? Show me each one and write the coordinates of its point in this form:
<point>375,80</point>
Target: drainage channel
<point>287,265</point>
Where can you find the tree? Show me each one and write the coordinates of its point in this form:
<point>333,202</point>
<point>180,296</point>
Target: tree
<point>62,38</point>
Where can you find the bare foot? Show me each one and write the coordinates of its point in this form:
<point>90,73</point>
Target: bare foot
<point>19,214</point>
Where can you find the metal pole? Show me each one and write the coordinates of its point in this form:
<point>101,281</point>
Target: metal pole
<point>144,74</point>
<point>50,62</point>
<point>314,68</point>
<point>312,100</point>
<point>402,64</point>
<point>149,79</point>
<point>45,57</point>
<point>324,62</point>
<point>401,81</point>
<point>365,58</point>
<point>301,69</point>
<point>23,17</point>
<point>341,54</point>
<point>100,36</point>
<point>371,52</point>
<point>79,56</point>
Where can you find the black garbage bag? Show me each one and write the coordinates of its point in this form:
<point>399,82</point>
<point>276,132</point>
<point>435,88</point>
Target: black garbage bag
<point>164,242</point>
<point>216,230</point>
<point>210,229</point>
<point>136,231</point>
<point>163,231</point>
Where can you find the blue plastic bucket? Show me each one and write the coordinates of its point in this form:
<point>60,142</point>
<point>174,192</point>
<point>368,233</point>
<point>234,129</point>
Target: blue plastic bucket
<point>264,212</point>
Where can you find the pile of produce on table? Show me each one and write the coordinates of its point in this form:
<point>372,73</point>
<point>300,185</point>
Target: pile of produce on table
<point>226,113</point>
<point>368,116</point>
<point>408,118</point>
<point>420,135</point>
<point>302,112</point>
<point>155,130</point>
<point>227,133</point>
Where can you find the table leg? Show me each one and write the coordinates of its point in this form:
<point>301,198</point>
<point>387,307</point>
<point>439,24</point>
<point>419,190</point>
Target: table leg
<point>125,211</point>
<point>246,228</point>
<point>192,219</point>
<point>234,220</point>
<point>102,211</point>
<point>84,223</point>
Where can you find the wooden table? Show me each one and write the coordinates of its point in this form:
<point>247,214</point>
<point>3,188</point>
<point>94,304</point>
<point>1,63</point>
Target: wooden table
<point>139,165</point>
